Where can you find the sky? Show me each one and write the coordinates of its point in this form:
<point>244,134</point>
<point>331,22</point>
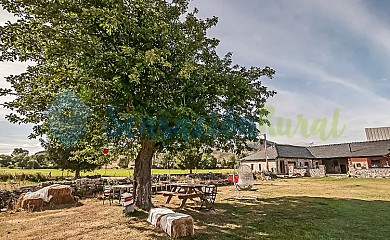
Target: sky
<point>331,60</point>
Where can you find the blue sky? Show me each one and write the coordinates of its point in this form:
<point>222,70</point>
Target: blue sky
<point>327,55</point>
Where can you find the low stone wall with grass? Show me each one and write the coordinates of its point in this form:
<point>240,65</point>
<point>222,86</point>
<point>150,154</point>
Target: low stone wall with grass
<point>370,173</point>
<point>93,186</point>
<point>4,199</point>
<point>307,172</point>
<point>85,187</point>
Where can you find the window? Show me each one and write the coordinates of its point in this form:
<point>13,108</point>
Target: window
<point>259,167</point>
<point>306,164</point>
<point>291,164</point>
<point>252,165</point>
<point>336,163</point>
<point>358,165</point>
<point>376,163</point>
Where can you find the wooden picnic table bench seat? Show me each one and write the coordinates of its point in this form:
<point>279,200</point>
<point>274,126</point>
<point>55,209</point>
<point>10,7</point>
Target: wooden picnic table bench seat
<point>189,195</point>
<point>167,193</point>
<point>181,195</point>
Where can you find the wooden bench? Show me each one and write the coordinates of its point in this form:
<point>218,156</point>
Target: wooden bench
<point>168,194</point>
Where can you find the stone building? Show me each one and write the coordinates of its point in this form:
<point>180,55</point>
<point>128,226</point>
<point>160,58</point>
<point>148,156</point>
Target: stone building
<point>336,158</point>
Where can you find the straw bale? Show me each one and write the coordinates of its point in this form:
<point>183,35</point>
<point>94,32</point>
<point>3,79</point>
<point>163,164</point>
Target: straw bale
<point>61,195</point>
<point>177,225</point>
<point>155,215</point>
<point>32,204</point>
<point>18,203</point>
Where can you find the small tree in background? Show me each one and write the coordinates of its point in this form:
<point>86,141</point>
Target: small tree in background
<point>123,162</point>
<point>33,164</point>
<point>168,160</point>
<point>20,157</point>
<point>208,161</point>
<point>189,159</point>
<point>5,160</point>
<point>77,158</point>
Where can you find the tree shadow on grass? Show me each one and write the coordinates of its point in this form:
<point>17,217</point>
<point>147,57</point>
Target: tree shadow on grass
<point>295,218</point>
<point>140,216</point>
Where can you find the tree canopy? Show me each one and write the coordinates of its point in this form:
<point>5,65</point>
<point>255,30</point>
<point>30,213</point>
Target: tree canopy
<point>145,68</point>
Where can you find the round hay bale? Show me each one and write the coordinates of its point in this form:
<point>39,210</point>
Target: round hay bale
<point>60,195</point>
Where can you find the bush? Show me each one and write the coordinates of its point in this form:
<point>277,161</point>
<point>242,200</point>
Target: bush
<point>37,177</point>
<point>33,164</point>
<point>5,176</point>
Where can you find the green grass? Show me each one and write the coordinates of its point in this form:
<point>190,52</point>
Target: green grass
<point>299,218</point>
<point>302,209</point>
<point>110,172</point>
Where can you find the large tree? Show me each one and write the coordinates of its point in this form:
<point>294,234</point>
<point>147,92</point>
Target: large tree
<point>149,61</point>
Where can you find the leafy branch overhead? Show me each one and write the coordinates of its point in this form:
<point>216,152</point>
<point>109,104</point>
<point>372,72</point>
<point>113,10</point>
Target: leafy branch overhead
<point>148,58</point>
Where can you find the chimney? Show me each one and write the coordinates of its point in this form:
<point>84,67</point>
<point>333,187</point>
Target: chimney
<point>350,150</point>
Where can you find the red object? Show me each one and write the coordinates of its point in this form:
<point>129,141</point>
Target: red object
<point>230,178</point>
<point>128,199</point>
<point>105,151</point>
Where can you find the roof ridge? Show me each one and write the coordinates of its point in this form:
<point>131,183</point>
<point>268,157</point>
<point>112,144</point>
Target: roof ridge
<point>333,144</point>
<point>289,145</point>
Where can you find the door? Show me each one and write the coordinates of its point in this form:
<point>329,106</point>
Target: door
<point>282,167</point>
<point>343,168</point>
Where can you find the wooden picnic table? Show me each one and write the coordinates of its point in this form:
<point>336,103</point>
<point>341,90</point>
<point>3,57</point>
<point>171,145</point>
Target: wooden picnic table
<point>184,192</point>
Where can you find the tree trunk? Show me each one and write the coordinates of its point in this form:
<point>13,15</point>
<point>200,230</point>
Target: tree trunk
<point>190,170</point>
<point>77,174</point>
<point>143,176</point>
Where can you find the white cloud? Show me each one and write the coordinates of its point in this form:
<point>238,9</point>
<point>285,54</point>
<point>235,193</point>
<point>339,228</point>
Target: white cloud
<point>292,37</point>
<point>355,15</point>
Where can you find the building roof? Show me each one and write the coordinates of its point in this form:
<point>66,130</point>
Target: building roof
<point>260,155</point>
<point>259,144</point>
<point>342,150</point>
<point>375,134</point>
<point>280,150</point>
<point>354,149</point>
<point>290,151</point>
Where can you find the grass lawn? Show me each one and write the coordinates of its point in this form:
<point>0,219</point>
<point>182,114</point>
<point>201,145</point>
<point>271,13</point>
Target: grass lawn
<point>111,172</point>
<point>304,208</point>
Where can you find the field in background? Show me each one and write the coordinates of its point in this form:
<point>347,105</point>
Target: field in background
<point>302,208</point>
<point>109,172</point>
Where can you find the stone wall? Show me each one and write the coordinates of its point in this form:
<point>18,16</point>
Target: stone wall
<point>370,173</point>
<point>81,187</point>
<point>5,196</point>
<point>307,172</point>
<point>92,187</point>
